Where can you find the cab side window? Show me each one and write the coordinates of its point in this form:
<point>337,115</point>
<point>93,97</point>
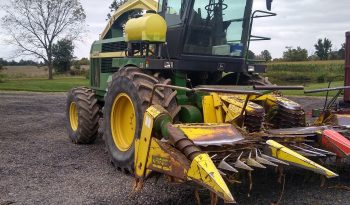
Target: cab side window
<point>174,12</point>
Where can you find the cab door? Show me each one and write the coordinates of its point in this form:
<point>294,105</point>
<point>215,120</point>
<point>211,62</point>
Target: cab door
<point>174,12</point>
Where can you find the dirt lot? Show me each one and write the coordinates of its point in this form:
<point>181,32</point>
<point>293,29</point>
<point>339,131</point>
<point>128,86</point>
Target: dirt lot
<point>39,165</point>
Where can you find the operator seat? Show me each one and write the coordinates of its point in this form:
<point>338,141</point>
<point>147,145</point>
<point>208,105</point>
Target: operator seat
<point>199,36</point>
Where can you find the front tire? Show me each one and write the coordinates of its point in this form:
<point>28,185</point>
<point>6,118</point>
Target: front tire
<point>126,100</point>
<point>82,115</point>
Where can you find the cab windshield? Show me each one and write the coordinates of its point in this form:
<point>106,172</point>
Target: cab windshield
<point>215,28</point>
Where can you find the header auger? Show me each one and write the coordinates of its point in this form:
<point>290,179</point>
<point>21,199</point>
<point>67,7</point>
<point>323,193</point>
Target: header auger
<point>180,98</point>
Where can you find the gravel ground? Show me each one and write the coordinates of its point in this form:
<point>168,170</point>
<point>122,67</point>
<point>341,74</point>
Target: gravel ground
<point>39,165</point>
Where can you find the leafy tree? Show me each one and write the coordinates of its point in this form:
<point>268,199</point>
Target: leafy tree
<point>323,48</point>
<point>292,54</point>
<point>250,55</point>
<point>337,54</point>
<point>3,62</point>
<point>84,61</point>
<point>77,65</point>
<point>313,57</point>
<point>114,6</point>
<point>341,52</point>
<point>266,55</point>
<point>35,25</point>
<point>333,55</point>
<point>62,53</point>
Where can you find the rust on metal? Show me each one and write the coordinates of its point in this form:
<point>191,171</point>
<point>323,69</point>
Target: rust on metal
<point>339,118</point>
<point>172,163</point>
<point>182,143</point>
<point>261,160</point>
<point>253,163</point>
<point>281,112</point>
<point>241,165</point>
<point>251,114</point>
<point>212,134</point>
<point>298,130</point>
<point>225,166</point>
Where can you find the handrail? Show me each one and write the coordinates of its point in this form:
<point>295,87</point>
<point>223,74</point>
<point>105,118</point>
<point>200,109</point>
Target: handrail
<point>274,87</point>
<point>266,14</point>
<point>326,89</point>
<point>257,38</point>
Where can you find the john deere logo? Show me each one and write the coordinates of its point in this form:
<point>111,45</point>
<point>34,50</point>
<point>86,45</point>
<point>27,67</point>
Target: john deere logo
<point>221,67</point>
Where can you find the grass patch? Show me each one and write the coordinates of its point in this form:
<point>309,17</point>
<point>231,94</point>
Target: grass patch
<point>60,84</point>
<point>287,73</point>
<point>314,86</point>
<point>2,77</point>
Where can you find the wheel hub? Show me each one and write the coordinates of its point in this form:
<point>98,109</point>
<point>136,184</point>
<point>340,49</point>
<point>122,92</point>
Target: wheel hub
<point>123,122</point>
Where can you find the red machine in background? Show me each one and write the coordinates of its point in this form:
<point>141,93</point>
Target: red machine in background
<point>335,115</point>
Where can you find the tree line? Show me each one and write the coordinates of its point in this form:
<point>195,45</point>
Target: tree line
<point>21,62</point>
<point>323,51</point>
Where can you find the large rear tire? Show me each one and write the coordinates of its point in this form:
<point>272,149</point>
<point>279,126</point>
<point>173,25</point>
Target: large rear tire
<point>82,115</point>
<point>126,100</point>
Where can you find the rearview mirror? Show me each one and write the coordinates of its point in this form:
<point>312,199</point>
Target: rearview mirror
<point>269,4</point>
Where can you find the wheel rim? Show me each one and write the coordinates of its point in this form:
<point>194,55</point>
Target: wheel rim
<point>123,122</point>
<point>73,116</point>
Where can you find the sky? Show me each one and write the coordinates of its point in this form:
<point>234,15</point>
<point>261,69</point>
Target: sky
<point>298,23</point>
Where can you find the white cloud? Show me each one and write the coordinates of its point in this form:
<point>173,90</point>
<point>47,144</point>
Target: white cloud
<point>298,23</point>
<point>301,23</point>
<point>96,12</point>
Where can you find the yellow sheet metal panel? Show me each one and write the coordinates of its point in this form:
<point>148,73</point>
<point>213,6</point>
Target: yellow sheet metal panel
<point>212,109</point>
<point>233,113</point>
<point>216,99</point>
<point>218,108</point>
<point>142,145</point>
<point>238,101</point>
<point>108,55</point>
<point>158,159</point>
<point>155,110</point>
<point>149,27</point>
<point>164,158</point>
<point>128,6</point>
<point>204,172</point>
<point>281,152</point>
<point>209,113</point>
<point>273,100</point>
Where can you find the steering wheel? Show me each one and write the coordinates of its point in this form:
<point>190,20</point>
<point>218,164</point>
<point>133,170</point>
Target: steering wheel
<point>212,4</point>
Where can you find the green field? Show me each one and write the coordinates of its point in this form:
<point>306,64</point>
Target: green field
<point>63,84</point>
<point>59,84</point>
<point>308,72</point>
<point>311,74</point>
